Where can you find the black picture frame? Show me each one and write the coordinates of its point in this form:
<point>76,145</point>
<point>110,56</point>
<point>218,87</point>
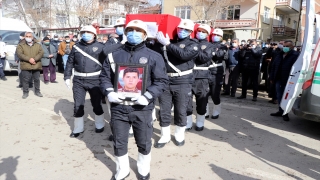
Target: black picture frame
<point>120,86</point>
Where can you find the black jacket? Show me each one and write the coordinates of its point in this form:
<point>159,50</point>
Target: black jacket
<point>156,77</point>
<point>221,54</point>
<point>251,58</point>
<point>55,44</point>
<point>281,67</point>
<point>204,59</point>
<point>83,64</point>
<point>182,54</point>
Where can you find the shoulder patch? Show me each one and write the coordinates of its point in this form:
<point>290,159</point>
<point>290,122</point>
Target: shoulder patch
<point>182,46</point>
<point>143,60</point>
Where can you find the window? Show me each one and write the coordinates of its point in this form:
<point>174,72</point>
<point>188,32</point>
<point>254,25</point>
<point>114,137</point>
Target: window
<point>61,19</point>
<point>182,12</point>
<point>106,20</point>
<point>294,26</point>
<point>231,12</point>
<point>266,15</point>
<point>280,18</point>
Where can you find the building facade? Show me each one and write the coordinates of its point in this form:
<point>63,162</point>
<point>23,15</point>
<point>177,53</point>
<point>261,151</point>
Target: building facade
<point>265,20</point>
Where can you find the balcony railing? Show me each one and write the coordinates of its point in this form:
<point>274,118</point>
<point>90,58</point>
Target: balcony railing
<point>290,4</point>
<point>235,23</point>
<point>284,31</point>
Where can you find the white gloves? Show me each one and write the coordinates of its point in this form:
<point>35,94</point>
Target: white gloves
<point>141,100</point>
<point>163,40</point>
<point>114,97</point>
<point>124,39</point>
<point>67,81</point>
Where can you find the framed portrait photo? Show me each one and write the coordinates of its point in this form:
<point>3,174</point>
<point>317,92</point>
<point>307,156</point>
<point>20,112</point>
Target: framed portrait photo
<point>130,80</point>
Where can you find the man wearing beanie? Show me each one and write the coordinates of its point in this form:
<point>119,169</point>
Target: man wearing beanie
<point>48,61</point>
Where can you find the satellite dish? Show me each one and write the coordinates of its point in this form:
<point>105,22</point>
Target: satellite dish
<point>42,23</point>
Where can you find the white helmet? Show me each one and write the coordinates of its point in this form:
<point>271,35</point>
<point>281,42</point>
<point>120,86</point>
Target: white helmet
<point>120,21</point>
<point>139,24</point>
<point>205,27</point>
<point>218,32</point>
<point>186,24</point>
<point>89,28</point>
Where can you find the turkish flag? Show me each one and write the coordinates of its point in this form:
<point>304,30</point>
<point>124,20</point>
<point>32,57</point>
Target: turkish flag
<point>165,22</point>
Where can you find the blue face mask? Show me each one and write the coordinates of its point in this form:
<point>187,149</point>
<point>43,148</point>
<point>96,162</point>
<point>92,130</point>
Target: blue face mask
<point>87,37</point>
<point>286,49</point>
<point>134,37</point>
<point>216,38</point>
<point>183,33</point>
<point>201,35</point>
<point>119,30</point>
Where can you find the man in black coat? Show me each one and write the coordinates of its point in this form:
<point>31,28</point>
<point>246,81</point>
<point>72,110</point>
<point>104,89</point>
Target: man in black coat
<point>251,56</point>
<point>280,73</point>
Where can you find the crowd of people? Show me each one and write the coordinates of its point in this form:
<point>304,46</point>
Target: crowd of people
<point>178,69</point>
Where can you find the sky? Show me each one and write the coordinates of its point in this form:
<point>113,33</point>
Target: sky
<point>154,2</point>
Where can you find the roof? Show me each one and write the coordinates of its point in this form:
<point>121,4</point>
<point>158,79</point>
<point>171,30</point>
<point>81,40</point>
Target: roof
<point>151,10</point>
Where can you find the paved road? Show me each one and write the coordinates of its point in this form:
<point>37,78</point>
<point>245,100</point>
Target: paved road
<point>244,143</point>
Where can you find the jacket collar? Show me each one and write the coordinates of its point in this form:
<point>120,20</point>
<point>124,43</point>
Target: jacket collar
<point>85,43</point>
<point>130,47</point>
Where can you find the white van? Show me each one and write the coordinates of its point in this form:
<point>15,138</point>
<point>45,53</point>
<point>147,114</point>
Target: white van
<point>10,30</point>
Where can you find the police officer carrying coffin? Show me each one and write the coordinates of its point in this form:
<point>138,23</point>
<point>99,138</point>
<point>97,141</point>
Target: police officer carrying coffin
<point>219,55</point>
<point>180,56</point>
<point>86,57</point>
<point>202,75</point>
<point>137,111</point>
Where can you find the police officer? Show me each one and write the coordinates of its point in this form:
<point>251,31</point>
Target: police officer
<point>202,75</point>
<point>180,55</point>
<point>219,55</point>
<point>86,58</point>
<point>119,26</point>
<point>135,111</point>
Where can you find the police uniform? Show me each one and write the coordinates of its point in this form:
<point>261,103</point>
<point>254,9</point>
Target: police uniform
<point>180,55</point>
<point>202,75</point>
<point>220,55</point>
<point>133,113</point>
<point>86,59</point>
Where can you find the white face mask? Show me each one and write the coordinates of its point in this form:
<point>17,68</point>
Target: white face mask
<point>74,39</point>
<point>28,39</point>
<point>253,46</point>
<point>234,44</point>
<point>104,42</point>
<point>267,46</point>
<point>21,37</point>
<point>242,43</point>
<point>56,39</point>
<point>280,46</point>
<point>67,40</point>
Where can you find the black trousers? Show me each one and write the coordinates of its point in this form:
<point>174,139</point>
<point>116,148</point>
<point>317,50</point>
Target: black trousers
<point>142,125</point>
<point>21,79</point>
<point>178,95</point>
<point>26,75</point>
<point>200,88</point>
<point>80,88</point>
<point>254,76</point>
<point>215,88</point>
<point>233,80</point>
<point>60,63</point>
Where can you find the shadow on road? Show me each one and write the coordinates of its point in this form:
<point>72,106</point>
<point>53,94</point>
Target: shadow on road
<point>256,140</point>
<point>226,174</point>
<point>8,166</point>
